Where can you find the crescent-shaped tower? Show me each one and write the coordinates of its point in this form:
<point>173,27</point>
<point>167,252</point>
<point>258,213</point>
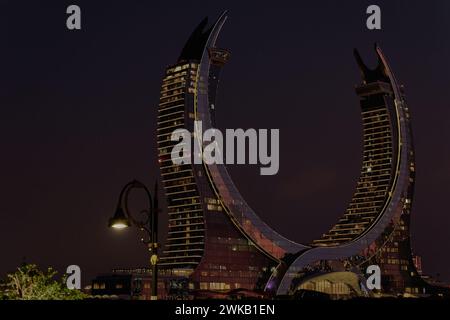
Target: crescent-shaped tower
<point>217,241</point>
<point>214,237</point>
<point>374,230</point>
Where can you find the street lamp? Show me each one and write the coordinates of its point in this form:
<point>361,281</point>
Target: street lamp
<point>149,224</point>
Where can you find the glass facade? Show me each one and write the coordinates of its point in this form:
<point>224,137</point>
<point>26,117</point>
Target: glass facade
<point>378,168</point>
<point>186,232</point>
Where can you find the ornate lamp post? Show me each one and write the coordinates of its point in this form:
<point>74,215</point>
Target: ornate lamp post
<point>149,224</point>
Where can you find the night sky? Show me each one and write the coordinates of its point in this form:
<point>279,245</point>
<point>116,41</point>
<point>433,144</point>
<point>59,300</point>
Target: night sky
<point>78,116</point>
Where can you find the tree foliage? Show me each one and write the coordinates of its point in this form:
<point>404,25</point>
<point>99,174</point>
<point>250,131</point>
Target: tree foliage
<point>28,282</point>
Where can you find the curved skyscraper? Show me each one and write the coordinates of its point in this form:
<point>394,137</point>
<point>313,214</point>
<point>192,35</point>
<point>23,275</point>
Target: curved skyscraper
<point>219,242</point>
<point>213,236</point>
<point>374,230</point>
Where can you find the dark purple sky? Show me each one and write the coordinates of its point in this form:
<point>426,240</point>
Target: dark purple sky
<point>78,116</point>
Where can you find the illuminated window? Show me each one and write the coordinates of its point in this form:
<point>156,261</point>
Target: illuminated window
<point>219,286</point>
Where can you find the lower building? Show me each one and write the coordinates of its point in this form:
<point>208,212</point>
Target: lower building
<point>136,284</point>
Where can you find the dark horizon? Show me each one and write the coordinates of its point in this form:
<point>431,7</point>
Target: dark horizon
<point>79,118</point>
